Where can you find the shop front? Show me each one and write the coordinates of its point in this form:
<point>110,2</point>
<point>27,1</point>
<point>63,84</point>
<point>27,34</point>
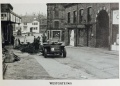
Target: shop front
<point>8,21</point>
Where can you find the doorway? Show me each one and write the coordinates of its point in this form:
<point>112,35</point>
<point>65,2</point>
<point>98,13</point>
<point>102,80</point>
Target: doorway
<point>102,29</point>
<point>72,38</point>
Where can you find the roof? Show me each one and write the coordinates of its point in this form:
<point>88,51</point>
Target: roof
<point>69,4</point>
<point>15,14</point>
<point>29,19</point>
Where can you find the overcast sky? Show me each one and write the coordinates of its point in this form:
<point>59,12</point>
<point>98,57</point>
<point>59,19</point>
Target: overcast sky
<point>29,8</point>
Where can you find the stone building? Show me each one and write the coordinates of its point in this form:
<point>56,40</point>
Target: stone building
<point>8,21</point>
<point>92,24</point>
<point>43,25</point>
<point>55,21</point>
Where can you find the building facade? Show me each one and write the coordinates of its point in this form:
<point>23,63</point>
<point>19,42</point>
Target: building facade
<point>43,25</point>
<point>30,24</point>
<point>55,21</point>
<point>92,24</point>
<point>8,21</point>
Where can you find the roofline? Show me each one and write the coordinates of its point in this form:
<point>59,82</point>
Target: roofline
<point>69,4</point>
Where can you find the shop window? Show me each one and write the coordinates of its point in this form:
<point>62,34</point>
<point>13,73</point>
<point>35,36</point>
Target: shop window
<point>69,17</point>
<point>56,24</point>
<point>74,16</point>
<point>80,15</point>
<point>56,34</point>
<point>89,13</point>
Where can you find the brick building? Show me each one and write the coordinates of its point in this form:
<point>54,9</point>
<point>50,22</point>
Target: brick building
<point>55,21</point>
<point>92,24</point>
<point>8,21</point>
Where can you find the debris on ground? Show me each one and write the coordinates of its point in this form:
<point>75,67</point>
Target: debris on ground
<point>29,48</point>
<point>9,56</point>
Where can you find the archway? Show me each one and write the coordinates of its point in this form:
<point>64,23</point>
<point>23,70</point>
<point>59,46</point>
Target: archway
<point>102,29</point>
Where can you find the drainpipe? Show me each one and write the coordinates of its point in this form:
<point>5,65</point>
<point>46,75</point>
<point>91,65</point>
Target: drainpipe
<point>76,25</point>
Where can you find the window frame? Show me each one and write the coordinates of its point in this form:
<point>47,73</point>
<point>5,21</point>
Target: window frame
<point>89,13</point>
<point>75,16</point>
<point>81,12</point>
<point>68,17</point>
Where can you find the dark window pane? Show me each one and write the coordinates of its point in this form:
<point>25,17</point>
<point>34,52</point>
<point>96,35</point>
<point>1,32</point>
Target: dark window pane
<point>69,17</point>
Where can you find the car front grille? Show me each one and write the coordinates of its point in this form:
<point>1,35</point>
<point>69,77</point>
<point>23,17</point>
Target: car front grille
<point>56,47</point>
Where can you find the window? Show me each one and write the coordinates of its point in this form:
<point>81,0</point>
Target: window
<point>25,27</point>
<point>89,13</point>
<point>25,23</point>
<point>56,14</point>
<point>56,34</point>
<point>56,24</point>
<point>80,15</point>
<point>31,29</point>
<point>69,17</point>
<point>34,23</point>
<point>74,17</point>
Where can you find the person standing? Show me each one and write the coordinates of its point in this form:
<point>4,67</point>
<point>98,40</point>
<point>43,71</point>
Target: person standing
<point>12,40</point>
<point>34,39</point>
<point>25,41</point>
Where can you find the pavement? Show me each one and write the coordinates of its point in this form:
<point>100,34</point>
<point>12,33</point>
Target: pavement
<point>26,68</point>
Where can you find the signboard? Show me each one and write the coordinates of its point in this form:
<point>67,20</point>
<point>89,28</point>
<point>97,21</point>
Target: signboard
<point>115,16</point>
<point>4,16</point>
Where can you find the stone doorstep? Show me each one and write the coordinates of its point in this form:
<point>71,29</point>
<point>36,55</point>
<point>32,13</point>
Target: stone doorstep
<point>115,47</point>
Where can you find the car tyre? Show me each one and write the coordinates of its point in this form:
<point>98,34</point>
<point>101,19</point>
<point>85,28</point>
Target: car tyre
<point>64,52</point>
<point>45,53</point>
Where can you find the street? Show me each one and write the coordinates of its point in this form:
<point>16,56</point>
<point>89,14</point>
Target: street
<point>80,63</point>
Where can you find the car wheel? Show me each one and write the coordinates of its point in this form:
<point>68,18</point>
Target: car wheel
<point>60,53</point>
<point>42,51</point>
<point>64,53</point>
<point>45,53</point>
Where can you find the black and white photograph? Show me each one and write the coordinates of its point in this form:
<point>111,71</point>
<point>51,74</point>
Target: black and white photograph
<point>60,41</point>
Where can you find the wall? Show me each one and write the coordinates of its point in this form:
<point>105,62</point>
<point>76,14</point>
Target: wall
<point>96,8</point>
<point>51,18</point>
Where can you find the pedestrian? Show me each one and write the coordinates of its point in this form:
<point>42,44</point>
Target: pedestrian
<point>19,41</point>
<point>38,42</point>
<point>34,39</point>
<point>25,41</point>
<point>12,40</point>
<point>16,43</point>
<point>38,38</point>
<point>44,38</point>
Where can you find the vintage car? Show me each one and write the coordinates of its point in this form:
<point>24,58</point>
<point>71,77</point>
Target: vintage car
<point>54,48</point>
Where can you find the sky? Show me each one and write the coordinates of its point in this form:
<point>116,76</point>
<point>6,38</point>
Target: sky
<point>29,8</point>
